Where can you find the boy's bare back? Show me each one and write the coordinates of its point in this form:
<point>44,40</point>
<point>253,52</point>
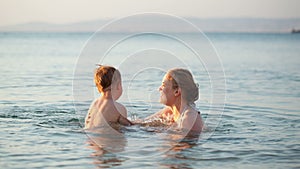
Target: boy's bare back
<point>105,112</point>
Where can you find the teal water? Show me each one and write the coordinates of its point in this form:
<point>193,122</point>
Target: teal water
<point>41,126</point>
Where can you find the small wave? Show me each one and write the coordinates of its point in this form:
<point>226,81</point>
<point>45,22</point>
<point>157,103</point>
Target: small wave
<point>50,116</point>
<point>221,159</point>
<point>73,120</point>
<point>15,116</point>
<point>44,125</point>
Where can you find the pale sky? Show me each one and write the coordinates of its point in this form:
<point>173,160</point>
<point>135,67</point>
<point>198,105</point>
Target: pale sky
<point>70,11</point>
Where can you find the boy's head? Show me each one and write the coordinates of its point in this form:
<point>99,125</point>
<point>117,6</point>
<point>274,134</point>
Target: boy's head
<point>106,77</point>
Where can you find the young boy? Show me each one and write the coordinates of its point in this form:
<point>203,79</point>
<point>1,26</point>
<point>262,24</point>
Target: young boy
<point>105,110</point>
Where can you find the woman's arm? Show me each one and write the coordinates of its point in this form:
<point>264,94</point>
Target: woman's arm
<point>160,113</point>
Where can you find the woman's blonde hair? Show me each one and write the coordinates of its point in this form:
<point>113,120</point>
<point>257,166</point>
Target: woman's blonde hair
<point>183,79</point>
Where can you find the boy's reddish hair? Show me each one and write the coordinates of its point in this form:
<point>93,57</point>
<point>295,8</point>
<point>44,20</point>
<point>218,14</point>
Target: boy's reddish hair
<point>105,76</point>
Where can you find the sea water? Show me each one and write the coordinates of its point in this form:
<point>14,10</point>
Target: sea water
<point>41,127</point>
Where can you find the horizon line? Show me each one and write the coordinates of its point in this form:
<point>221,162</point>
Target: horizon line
<point>115,18</point>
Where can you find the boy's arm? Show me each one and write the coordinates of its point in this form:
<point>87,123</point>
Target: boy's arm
<point>124,121</point>
<point>123,115</point>
<point>121,109</point>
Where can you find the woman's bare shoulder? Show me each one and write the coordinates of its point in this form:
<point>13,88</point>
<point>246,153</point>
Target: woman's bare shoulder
<point>189,116</point>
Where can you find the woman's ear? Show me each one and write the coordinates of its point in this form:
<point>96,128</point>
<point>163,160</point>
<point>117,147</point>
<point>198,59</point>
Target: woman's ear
<point>177,92</point>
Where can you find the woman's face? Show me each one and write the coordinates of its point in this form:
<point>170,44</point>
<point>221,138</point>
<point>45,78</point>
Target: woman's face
<point>167,93</point>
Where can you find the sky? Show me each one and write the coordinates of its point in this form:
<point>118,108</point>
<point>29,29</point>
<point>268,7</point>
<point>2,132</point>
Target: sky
<point>14,12</point>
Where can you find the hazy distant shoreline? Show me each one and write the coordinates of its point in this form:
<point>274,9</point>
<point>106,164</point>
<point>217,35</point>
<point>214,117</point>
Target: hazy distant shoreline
<point>230,25</point>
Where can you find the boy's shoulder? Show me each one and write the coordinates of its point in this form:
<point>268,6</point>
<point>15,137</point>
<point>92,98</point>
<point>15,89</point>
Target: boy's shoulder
<point>121,109</point>
<point>96,101</point>
<point>119,104</point>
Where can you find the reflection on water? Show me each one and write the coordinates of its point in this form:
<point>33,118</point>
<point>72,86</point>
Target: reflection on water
<point>184,144</point>
<point>106,142</point>
<point>178,155</point>
<point>111,147</point>
<point>102,157</point>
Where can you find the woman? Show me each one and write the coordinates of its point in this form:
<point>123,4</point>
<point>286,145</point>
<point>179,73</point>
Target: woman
<point>179,92</point>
